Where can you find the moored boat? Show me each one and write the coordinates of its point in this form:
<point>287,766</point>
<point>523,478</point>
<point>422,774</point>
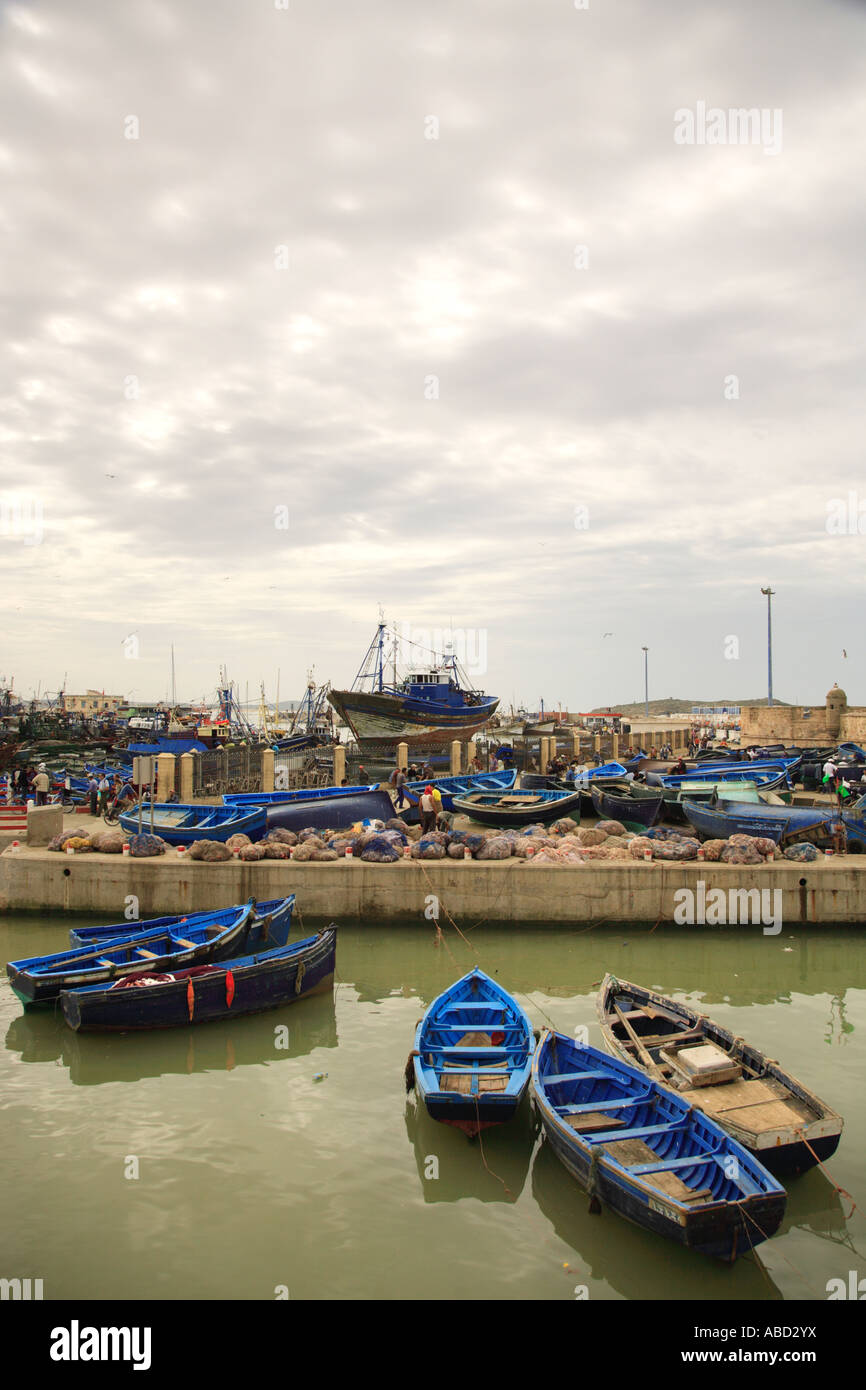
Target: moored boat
<point>512,809</point>
<point>449,787</point>
<point>786,825</point>
<point>635,807</point>
<point>241,985</point>
<point>299,795</point>
<point>278,909</point>
<point>764,1108</point>
<point>472,1055</point>
<point>230,932</point>
<point>180,825</point>
<point>646,1153</point>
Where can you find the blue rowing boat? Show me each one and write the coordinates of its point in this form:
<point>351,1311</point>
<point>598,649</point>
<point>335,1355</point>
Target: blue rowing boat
<point>215,937</point>
<point>513,809</point>
<point>472,1056</point>
<point>768,779</point>
<point>171,999</point>
<point>784,825</point>
<point>180,825</point>
<point>449,787</point>
<point>290,797</point>
<point>636,807</point>
<point>594,774</point>
<point>276,908</point>
<point>648,1154</point>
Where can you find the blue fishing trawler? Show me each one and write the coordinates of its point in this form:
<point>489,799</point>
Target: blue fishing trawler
<point>426,710</point>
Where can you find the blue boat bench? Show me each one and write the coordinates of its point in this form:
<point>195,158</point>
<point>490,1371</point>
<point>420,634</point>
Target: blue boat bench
<point>593,1105</point>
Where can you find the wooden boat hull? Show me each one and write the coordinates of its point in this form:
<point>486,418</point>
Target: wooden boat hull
<point>382,721</point>
<point>788,1136</point>
<point>305,795</point>
<point>635,807</point>
<point>472,1055</point>
<point>449,787</point>
<point>785,825</point>
<point>181,825</point>
<point>537,807</point>
<point>330,813</point>
<point>655,1184</point>
<point>41,980</point>
<point>121,931</point>
<point>245,985</point>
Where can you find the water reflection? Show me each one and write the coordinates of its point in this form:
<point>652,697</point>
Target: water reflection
<point>450,1167</point>
<point>634,1263</point>
<point>93,1059</point>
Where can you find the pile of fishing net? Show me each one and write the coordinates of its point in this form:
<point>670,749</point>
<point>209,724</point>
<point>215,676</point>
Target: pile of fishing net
<point>146,846</point>
<point>676,847</point>
<point>108,841</point>
<point>60,841</point>
<point>801,854</point>
<point>82,844</point>
<point>550,854</point>
<point>429,847</point>
<point>238,841</point>
<point>280,836</point>
<point>638,847</point>
<point>314,849</point>
<point>713,849</point>
<point>378,850</point>
<point>250,851</point>
<point>273,849</point>
<point>395,823</point>
<point>606,852</point>
<point>562,827</point>
<point>497,847</point>
<point>310,833</point>
<point>747,849</point>
<point>211,851</point>
<point>611,827</point>
<point>589,836</point>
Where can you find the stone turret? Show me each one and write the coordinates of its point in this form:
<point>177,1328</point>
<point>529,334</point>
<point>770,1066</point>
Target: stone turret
<point>836,705</point>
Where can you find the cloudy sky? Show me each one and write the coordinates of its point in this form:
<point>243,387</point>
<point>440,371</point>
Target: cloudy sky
<point>309,310</point>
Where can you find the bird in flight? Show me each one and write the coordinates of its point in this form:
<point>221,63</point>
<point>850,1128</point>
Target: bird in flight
<point>606,634</point>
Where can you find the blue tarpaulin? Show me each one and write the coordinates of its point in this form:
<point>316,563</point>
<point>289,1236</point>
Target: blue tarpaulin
<point>167,745</point>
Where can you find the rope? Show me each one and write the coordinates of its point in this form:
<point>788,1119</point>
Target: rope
<point>843,1191</point>
<point>483,1159</point>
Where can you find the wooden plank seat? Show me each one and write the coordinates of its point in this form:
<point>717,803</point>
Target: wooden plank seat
<point>140,951</point>
<point>474,1051</point>
<point>674,1187</point>
<point>639,1133</point>
<point>182,941</point>
<point>590,1120</point>
<point>668,1164</point>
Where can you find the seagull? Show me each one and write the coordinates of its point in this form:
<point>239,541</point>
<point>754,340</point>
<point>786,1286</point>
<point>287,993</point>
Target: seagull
<point>844,653</point>
<point>606,634</point>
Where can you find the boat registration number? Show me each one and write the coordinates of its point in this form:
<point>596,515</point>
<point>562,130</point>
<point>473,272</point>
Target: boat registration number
<point>662,1209</point>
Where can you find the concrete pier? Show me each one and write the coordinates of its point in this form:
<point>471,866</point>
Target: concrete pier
<point>830,891</point>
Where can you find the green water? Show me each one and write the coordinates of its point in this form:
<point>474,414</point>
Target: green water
<point>253,1175</point>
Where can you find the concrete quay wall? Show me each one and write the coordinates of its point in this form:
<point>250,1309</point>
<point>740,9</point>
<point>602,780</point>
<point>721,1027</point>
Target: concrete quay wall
<point>829,891</point>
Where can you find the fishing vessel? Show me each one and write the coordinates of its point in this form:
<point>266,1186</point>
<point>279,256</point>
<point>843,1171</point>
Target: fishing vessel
<point>427,709</point>
<point>472,1055</point>
<point>767,1110</point>
<point>645,1152</point>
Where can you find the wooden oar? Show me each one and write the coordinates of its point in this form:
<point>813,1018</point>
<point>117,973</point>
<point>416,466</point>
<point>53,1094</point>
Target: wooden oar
<point>647,1058</point>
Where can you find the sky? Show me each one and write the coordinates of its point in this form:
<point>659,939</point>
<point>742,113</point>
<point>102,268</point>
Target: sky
<point>475,312</point>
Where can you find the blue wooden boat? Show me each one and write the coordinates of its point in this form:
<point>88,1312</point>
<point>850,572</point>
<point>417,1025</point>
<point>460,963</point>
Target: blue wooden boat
<point>299,794</point>
<point>706,793</point>
<point>173,999</point>
<point>40,979</point>
<point>449,787</point>
<point>594,774</point>
<point>275,908</point>
<point>783,824</point>
<point>636,807</point>
<point>772,1114</point>
<point>330,812</point>
<point>648,1154</point>
<point>768,779</point>
<point>472,1055</point>
<point>518,807</point>
<point>180,825</point>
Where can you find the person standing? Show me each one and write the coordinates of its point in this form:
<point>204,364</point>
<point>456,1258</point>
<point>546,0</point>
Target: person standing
<point>829,774</point>
<point>41,783</point>
<point>400,783</point>
<point>93,789</point>
<point>427,770</point>
<point>104,788</point>
<point>427,809</point>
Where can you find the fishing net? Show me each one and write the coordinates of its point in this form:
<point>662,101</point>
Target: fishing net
<point>801,854</point>
<point>80,843</point>
<point>281,837</point>
<point>60,841</point>
<point>108,841</point>
<point>238,841</point>
<point>274,850</point>
<point>311,833</point>
<point>497,847</point>
<point>428,848</point>
<point>457,850</point>
<point>147,846</point>
<point>676,848</point>
<point>611,827</point>
<point>250,851</point>
<point>380,851</point>
<point>210,851</point>
<point>588,836</point>
<point>563,826</point>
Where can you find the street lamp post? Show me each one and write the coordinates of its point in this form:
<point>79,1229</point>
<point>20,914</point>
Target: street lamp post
<point>645,651</point>
<point>769,595</point>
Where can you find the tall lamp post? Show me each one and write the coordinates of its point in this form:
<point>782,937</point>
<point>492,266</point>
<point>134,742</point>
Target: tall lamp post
<point>645,651</point>
<point>769,595</point>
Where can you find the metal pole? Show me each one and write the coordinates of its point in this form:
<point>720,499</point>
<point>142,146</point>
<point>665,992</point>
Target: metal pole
<point>645,651</point>
<point>769,593</point>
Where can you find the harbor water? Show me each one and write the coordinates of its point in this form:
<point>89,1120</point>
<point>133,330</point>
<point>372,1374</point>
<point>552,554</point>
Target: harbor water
<point>280,1156</point>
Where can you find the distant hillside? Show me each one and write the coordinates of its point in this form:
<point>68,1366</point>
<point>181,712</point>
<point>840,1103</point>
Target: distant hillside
<point>672,706</point>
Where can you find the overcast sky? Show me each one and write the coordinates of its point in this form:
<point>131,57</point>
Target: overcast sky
<point>222,343</point>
